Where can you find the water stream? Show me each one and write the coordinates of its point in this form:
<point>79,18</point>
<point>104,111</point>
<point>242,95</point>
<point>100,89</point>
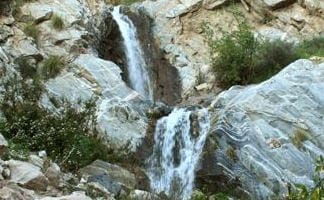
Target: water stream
<point>179,139</point>
<point>137,70</point>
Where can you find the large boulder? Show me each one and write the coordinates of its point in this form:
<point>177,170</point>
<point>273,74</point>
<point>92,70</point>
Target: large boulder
<point>121,120</point>
<point>267,135</point>
<point>99,171</point>
<point>27,175</point>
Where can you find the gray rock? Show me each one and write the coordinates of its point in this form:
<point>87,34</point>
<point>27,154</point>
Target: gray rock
<point>14,192</point>
<point>104,184</point>
<point>40,12</point>
<point>53,173</point>
<point>78,195</point>
<point>100,169</point>
<point>213,4</point>
<point>183,8</point>
<point>260,124</point>
<point>142,195</point>
<point>275,4</point>
<point>28,175</point>
<point>35,160</point>
<point>3,145</point>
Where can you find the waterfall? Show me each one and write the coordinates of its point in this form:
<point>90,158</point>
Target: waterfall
<point>137,69</point>
<point>179,140</point>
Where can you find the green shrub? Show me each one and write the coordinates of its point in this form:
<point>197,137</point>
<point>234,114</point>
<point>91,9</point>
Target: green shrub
<point>67,135</point>
<point>240,58</point>
<point>57,22</point>
<point>31,30</point>
<point>271,57</point>
<point>311,47</point>
<point>124,2</point>
<point>52,66</point>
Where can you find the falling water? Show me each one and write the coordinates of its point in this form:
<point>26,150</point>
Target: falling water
<point>179,140</point>
<point>138,75</point>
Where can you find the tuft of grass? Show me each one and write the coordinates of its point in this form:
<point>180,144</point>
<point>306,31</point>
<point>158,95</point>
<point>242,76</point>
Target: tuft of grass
<point>52,66</point>
<point>57,22</point>
<point>31,30</point>
<point>299,137</point>
<point>230,152</point>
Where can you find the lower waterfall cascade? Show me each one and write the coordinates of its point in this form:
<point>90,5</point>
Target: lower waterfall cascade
<point>178,144</point>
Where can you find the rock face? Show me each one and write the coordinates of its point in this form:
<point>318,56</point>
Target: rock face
<point>177,29</point>
<point>269,134</point>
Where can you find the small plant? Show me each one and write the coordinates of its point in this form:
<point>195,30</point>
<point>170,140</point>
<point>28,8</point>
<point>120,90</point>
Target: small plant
<point>52,66</point>
<point>31,30</point>
<point>299,137</point>
<point>57,22</point>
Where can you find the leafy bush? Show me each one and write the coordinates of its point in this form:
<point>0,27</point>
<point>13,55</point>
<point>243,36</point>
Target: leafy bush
<point>52,66</point>
<point>57,22</point>
<point>241,58</point>
<point>66,135</point>
<point>31,30</point>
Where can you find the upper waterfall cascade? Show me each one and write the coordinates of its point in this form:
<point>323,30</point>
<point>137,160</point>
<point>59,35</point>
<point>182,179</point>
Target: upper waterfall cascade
<point>137,69</point>
<point>179,141</point>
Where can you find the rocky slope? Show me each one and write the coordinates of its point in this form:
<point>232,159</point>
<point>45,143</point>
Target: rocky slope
<point>178,28</point>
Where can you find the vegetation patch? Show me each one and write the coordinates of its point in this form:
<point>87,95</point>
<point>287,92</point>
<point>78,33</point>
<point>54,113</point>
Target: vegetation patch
<point>239,58</point>
<point>66,135</point>
<point>57,22</point>
<point>31,30</point>
<point>299,137</point>
<point>124,2</point>
<point>230,152</point>
<point>52,66</point>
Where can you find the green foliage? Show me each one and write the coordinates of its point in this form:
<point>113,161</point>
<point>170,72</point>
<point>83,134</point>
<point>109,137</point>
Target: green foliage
<point>65,135</point>
<point>301,192</point>
<point>240,58</point>
<point>311,47</point>
<point>57,22</point>
<point>31,30</point>
<point>52,66</point>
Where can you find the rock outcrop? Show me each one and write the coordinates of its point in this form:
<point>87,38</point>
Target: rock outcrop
<point>267,135</point>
